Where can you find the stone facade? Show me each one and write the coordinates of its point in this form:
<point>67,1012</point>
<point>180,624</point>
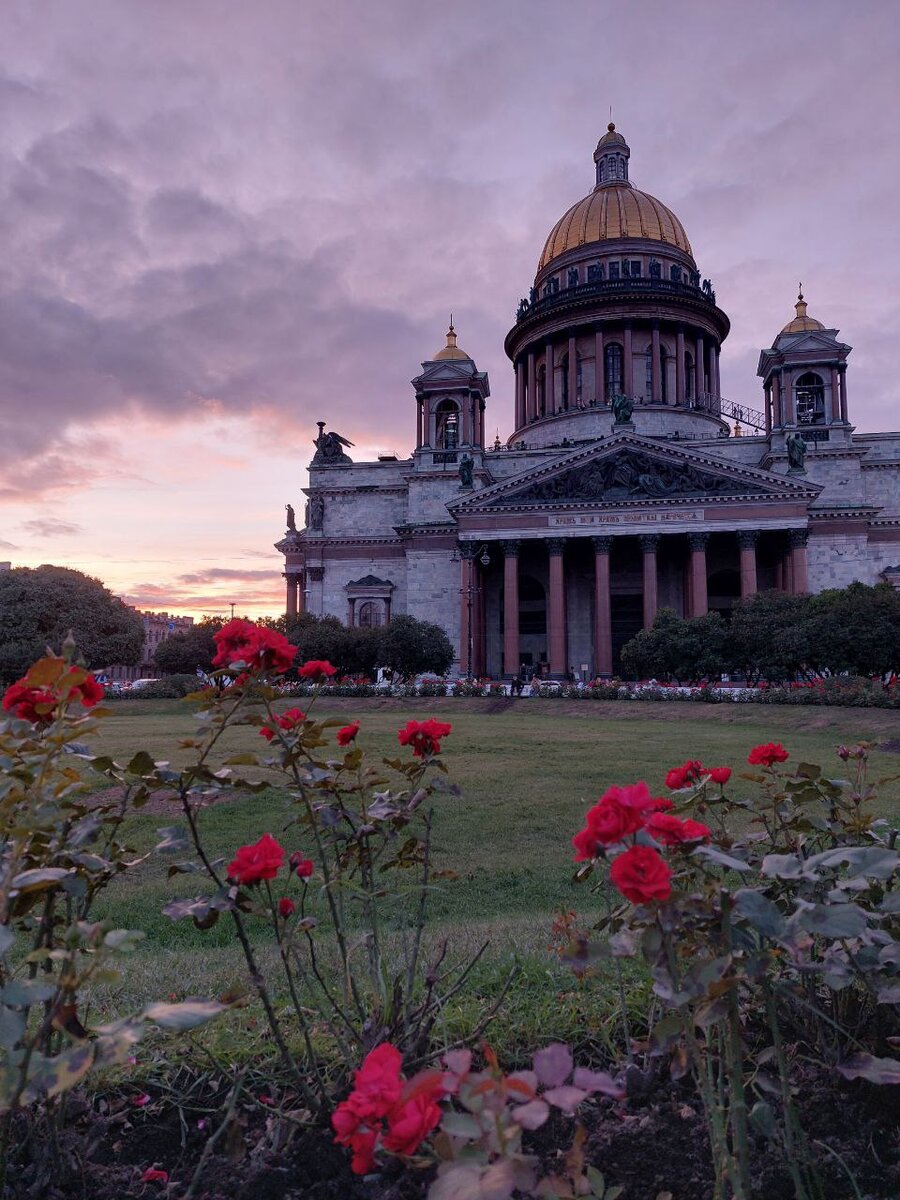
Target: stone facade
<point>628,483</point>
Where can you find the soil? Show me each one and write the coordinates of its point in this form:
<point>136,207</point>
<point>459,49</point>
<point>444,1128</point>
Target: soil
<point>654,1146</point>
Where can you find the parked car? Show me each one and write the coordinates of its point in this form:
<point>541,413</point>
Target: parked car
<point>140,684</point>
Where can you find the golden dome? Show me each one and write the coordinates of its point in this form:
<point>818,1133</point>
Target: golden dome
<point>802,323</point>
<point>614,210</point>
<point>451,350</point>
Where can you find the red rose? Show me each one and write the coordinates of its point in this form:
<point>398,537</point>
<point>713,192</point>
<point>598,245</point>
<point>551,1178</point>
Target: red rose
<point>350,1130</point>
<point>720,774</point>
<point>317,669</point>
<point>24,702</point>
<point>767,755</point>
<point>585,844</point>
<point>672,831</point>
<point>641,875</point>
<point>635,796</point>
<point>346,735</point>
<point>681,777</point>
<point>424,736</point>
<point>90,690</point>
<point>288,721</point>
<point>152,1175</point>
<point>254,863</point>
<point>262,649</point>
<point>286,907</point>
<point>302,867</point>
<point>410,1123</point>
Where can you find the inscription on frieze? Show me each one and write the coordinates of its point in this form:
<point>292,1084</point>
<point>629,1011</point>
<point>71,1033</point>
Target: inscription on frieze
<point>627,518</point>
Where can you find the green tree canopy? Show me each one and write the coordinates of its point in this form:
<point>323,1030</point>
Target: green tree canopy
<point>186,651</point>
<point>676,648</point>
<point>769,637</point>
<point>410,647</point>
<point>40,606</point>
<point>855,629</point>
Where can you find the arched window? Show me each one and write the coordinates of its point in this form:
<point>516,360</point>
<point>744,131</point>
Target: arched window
<point>690,380</point>
<point>810,393</point>
<point>613,373</point>
<point>447,425</point>
<point>369,614</point>
<point>567,400</point>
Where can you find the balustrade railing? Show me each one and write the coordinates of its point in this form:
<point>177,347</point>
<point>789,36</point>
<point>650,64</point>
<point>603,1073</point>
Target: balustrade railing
<point>609,287</point>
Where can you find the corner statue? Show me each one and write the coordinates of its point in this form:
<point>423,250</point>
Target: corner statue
<point>466,471</point>
<point>328,448</point>
<point>291,518</point>
<point>796,451</point>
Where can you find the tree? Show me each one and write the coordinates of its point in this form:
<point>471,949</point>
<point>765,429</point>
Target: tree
<point>187,651</point>
<point>769,637</point>
<point>39,607</point>
<point>855,629</point>
<point>676,648</point>
<point>410,647</point>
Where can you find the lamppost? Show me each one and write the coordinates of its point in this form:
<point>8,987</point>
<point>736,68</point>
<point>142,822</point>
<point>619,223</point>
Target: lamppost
<point>232,610</point>
<point>470,591</point>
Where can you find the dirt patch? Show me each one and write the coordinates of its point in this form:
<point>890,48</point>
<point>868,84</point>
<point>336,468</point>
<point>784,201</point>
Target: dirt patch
<point>161,803</point>
<point>649,1146</point>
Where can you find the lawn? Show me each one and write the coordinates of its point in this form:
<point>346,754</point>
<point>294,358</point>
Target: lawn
<point>527,771</point>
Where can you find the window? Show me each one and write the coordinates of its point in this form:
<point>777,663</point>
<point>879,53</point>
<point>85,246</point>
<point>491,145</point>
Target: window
<point>542,391</point>
<point>369,615</point>
<point>564,382</point>
<point>810,394</point>
<point>595,272</point>
<point>613,373</point>
<point>447,425</point>
<point>613,270</point>
<point>689,377</point>
<point>663,388</point>
<point>675,274</point>
<point>635,268</point>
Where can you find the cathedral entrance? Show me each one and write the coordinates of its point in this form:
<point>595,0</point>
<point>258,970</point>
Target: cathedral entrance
<point>627,613</point>
<point>532,624</point>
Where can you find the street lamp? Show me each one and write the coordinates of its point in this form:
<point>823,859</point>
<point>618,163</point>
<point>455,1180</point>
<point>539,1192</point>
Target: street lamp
<point>232,610</point>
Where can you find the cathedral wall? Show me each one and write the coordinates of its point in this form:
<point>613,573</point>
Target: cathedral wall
<point>432,592</point>
<point>367,511</point>
<point>429,497</point>
<point>837,560</point>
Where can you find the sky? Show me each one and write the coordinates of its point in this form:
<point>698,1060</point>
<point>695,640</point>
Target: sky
<point>221,222</point>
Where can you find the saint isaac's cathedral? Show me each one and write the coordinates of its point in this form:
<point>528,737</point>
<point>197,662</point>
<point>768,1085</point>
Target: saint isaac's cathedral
<point>628,482</point>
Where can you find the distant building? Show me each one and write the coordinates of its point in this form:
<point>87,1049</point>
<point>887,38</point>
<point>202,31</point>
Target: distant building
<point>157,627</point>
<point>5,566</point>
<point>628,482</point>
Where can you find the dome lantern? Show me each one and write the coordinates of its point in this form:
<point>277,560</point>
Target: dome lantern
<point>611,158</point>
<point>802,322</point>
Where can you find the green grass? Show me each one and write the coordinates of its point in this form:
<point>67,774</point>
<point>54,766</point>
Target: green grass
<point>527,774</point>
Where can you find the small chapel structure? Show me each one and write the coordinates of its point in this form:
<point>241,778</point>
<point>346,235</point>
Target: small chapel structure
<point>628,481</point>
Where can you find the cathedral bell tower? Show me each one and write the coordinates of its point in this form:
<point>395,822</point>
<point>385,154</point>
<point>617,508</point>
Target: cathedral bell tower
<point>450,403</point>
<point>804,376</point>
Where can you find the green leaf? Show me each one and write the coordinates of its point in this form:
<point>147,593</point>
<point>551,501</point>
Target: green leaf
<point>808,770</point>
<point>7,939</point>
<point>875,1070</point>
<point>187,1015</point>
<point>760,912</point>
<point>38,880</point>
<point>173,839</point>
<point>875,862</point>
<point>723,860</point>
<point>762,1118</point>
<point>832,920</point>
<point>141,764</point>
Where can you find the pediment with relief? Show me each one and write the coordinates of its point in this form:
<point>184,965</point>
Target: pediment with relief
<point>628,469</point>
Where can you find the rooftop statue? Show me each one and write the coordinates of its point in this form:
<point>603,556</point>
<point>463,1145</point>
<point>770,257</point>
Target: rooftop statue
<point>291,518</point>
<point>796,451</point>
<point>328,448</point>
<point>622,407</point>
